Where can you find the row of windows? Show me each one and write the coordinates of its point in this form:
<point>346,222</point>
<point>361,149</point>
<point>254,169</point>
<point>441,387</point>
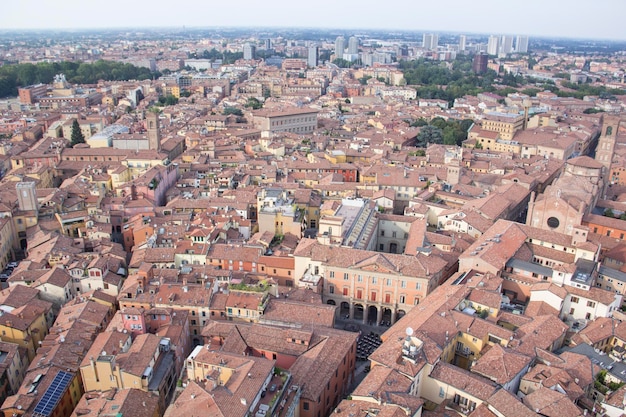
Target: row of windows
<point>373,296</point>
<point>608,233</point>
<point>575,300</point>
<point>374,280</point>
<point>291,121</point>
<point>393,234</point>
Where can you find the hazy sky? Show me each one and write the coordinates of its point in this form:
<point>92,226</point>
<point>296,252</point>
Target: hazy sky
<point>601,19</point>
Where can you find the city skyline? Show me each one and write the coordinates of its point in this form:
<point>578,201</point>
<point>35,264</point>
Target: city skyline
<point>534,18</point>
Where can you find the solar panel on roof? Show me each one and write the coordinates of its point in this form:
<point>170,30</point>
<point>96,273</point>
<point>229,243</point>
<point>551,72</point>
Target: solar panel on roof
<point>51,397</point>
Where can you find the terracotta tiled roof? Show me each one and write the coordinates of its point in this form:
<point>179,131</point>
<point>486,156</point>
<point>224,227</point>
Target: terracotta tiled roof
<point>551,403</point>
<point>463,380</point>
<point>500,365</point>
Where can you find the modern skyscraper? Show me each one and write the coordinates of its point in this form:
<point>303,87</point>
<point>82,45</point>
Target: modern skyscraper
<point>462,41</point>
<point>435,42</point>
<point>353,45</point>
<point>521,44</point>
<point>340,47</point>
<point>249,51</point>
<point>427,40</point>
<point>268,44</point>
<point>313,56</point>
<point>506,45</point>
<point>430,41</point>
<point>479,64</point>
<point>493,45</point>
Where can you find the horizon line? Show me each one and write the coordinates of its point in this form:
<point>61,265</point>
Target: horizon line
<point>318,28</point>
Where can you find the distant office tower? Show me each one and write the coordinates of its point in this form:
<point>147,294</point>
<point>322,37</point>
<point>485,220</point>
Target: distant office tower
<point>353,45</point>
<point>268,44</point>
<point>479,65</point>
<point>493,45</point>
<point>249,51</point>
<point>521,45</point>
<point>427,40</point>
<point>403,50</point>
<point>462,41</point>
<point>340,47</point>
<point>313,57</point>
<point>506,45</point>
<point>430,41</point>
<point>435,42</point>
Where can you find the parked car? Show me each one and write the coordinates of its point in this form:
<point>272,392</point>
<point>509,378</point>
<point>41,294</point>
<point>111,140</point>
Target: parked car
<point>4,277</point>
<point>272,387</point>
<point>12,264</point>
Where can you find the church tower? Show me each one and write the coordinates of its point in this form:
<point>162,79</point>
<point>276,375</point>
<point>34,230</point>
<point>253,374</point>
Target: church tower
<point>154,137</point>
<point>606,142</point>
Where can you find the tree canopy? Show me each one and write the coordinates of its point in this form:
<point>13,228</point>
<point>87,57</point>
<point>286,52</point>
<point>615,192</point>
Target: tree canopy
<point>168,100</point>
<point>77,134</point>
<point>452,132</point>
<point>227,57</point>
<point>232,110</point>
<point>254,103</point>
<point>429,134</point>
<point>20,75</point>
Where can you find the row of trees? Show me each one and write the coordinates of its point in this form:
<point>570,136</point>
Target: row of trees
<point>20,75</point>
<point>435,80</point>
<point>227,57</point>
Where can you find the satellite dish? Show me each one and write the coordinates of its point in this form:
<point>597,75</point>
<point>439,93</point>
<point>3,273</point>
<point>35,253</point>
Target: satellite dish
<point>409,331</point>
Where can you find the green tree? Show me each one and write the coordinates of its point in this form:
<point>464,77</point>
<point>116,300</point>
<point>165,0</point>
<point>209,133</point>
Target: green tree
<point>419,122</point>
<point>439,122</point>
<point>77,134</point>
<point>254,103</point>
<point>342,63</point>
<point>232,110</point>
<point>452,135</point>
<point>428,134</point>
<point>363,79</point>
<point>592,110</point>
<point>168,100</point>
<point>465,125</point>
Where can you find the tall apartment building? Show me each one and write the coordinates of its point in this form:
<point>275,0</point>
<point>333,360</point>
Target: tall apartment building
<point>249,51</point>
<point>462,42</point>
<point>521,44</point>
<point>340,47</point>
<point>313,56</point>
<point>506,45</point>
<point>493,45</point>
<point>353,45</point>
<point>430,41</point>
<point>479,64</point>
